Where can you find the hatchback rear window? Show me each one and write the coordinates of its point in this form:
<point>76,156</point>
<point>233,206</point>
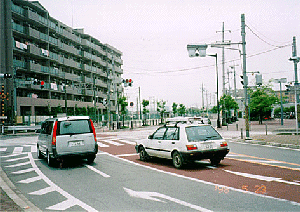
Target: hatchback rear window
<point>74,127</point>
<point>201,133</point>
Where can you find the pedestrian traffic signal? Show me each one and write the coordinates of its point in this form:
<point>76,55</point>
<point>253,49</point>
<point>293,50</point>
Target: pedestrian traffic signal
<point>130,82</point>
<point>243,80</point>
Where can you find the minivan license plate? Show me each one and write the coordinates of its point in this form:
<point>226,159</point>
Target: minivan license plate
<point>75,143</point>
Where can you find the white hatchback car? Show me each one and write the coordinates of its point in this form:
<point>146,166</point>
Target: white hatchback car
<point>65,137</point>
<point>184,143</point>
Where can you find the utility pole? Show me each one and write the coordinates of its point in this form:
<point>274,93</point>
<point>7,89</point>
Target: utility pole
<point>243,33</point>
<point>202,90</point>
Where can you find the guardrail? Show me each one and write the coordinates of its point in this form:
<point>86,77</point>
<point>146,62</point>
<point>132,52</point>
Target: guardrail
<point>15,129</point>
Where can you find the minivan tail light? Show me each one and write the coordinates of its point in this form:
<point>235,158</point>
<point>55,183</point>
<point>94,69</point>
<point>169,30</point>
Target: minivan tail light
<point>94,131</point>
<point>54,134</point>
<point>191,147</point>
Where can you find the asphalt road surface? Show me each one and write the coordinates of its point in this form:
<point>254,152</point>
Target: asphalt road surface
<point>250,178</point>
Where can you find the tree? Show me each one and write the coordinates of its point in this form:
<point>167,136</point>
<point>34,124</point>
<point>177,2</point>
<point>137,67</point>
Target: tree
<point>227,103</point>
<point>174,108</point>
<point>145,103</point>
<point>182,110</point>
<point>161,109</point>
<point>123,104</point>
<point>261,102</point>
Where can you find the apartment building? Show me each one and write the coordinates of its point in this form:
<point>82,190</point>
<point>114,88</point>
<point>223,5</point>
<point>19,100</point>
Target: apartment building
<point>54,65</point>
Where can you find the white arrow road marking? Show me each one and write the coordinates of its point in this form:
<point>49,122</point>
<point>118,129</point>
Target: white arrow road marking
<point>97,171</point>
<point>264,178</point>
<point>151,195</point>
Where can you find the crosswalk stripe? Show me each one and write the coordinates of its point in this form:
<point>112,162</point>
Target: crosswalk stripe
<point>113,142</point>
<point>127,142</point>
<point>102,144</point>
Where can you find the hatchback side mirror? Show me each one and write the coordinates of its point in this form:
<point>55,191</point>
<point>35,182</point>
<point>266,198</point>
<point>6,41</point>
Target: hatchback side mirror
<point>150,136</point>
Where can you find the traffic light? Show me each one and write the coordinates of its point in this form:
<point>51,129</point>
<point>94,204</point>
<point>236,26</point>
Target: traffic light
<point>42,84</point>
<point>127,82</point>
<point>5,76</point>
<point>243,80</point>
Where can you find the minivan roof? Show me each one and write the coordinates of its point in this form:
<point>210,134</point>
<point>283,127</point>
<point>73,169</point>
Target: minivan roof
<point>68,118</point>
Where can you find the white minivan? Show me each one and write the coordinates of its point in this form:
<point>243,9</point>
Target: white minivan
<point>71,136</point>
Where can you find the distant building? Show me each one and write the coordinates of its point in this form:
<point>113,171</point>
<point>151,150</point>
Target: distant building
<point>52,62</point>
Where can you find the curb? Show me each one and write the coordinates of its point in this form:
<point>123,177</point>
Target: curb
<point>264,143</point>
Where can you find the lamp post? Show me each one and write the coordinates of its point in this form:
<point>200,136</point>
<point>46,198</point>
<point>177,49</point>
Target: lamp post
<point>200,51</point>
<point>282,80</point>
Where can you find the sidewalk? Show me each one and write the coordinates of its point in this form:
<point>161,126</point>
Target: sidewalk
<point>271,132</point>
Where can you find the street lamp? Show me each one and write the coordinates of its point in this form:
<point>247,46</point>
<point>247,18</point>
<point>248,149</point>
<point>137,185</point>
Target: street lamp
<point>200,51</point>
<point>282,80</point>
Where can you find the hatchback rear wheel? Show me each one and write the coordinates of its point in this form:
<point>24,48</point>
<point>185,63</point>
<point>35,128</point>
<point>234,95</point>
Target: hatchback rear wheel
<point>143,154</point>
<point>177,160</point>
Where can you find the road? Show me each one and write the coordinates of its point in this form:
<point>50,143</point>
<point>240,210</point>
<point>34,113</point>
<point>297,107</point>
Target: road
<point>251,177</point>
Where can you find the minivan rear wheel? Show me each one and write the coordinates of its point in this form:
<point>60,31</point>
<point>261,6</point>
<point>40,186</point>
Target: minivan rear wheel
<point>39,153</point>
<point>50,160</point>
<point>90,159</point>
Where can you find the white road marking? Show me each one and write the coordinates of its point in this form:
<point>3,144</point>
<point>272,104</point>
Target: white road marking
<point>19,164</point>
<point>152,195</point>
<point>204,182</point>
<point>112,142</point>
<point>18,150</point>
<point>260,177</point>
<point>71,201</point>
<point>30,180</point>
<point>102,144</point>
<point>8,156</point>
<point>128,155</point>
<point>97,171</point>
<point>43,191</point>
<point>16,159</point>
<point>24,171</point>
<point>3,149</point>
<point>127,142</point>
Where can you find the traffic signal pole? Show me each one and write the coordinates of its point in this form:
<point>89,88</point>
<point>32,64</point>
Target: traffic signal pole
<point>243,33</point>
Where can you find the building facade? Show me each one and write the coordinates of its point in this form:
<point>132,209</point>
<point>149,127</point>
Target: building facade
<point>54,65</point>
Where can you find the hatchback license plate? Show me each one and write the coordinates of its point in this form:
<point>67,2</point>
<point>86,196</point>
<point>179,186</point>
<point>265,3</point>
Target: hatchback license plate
<point>208,146</point>
<point>75,143</point>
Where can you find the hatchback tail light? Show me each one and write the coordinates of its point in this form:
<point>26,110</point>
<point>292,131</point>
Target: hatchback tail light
<point>94,131</point>
<point>191,147</point>
<point>223,144</point>
<point>54,134</point>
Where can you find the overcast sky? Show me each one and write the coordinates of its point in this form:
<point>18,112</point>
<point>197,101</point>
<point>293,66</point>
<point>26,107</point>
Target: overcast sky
<point>153,36</point>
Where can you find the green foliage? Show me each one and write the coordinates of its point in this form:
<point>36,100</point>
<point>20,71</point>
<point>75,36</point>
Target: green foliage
<point>161,109</point>
<point>227,103</point>
<point>123,103</point>
<point>182,110</point>
<point>145,103</point>
<point>174,108</point>
<point>261,102</point>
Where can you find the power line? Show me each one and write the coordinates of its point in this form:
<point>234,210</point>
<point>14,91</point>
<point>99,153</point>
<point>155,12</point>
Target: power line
<point>207,66</point>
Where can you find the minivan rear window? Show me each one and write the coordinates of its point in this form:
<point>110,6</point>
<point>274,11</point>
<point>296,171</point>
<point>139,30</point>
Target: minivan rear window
<point>70,127</point>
